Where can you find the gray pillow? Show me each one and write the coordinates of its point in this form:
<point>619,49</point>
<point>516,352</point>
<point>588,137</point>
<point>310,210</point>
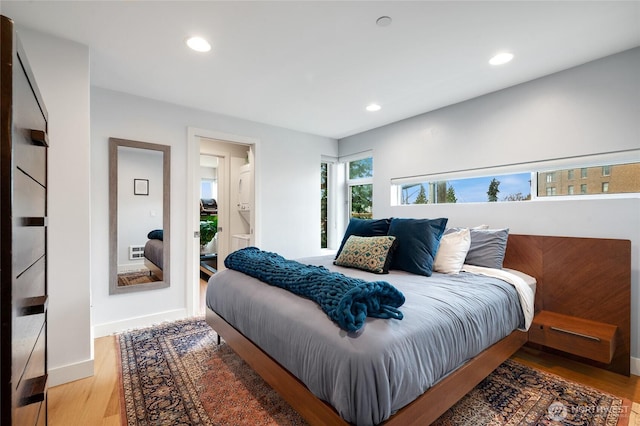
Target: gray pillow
<point>488,247</point>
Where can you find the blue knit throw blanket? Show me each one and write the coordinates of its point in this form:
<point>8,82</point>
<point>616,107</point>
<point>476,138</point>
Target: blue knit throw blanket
<point>347,301</point>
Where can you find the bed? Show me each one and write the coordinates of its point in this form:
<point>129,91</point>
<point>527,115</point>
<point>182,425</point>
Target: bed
<point>154,253</point>
<point>301,372</point>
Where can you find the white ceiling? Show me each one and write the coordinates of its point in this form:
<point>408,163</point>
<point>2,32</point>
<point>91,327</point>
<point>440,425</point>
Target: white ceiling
<point>314,66</point>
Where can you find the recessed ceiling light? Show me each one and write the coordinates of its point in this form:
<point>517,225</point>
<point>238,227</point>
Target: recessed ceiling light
<point>373,107</point>
<point>198,44</point>
<point>383,21</point>
<point>501,58</point>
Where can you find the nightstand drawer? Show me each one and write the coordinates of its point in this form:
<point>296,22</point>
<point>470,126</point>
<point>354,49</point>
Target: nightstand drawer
<point>588,339</point>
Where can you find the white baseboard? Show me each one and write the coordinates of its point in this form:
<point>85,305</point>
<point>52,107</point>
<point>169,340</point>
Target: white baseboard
<point>70,373</point>
<point>109,328</point>
<point>635,366</point>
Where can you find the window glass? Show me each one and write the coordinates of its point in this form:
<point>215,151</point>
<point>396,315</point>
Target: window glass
<point>595,180</point>
<point>208,189</point>
<point>360,187</point>
<point>610,179</point>
<point>511,187</point>
<point>323,205</point>
<point>361,201</point>
<point>361,168</point>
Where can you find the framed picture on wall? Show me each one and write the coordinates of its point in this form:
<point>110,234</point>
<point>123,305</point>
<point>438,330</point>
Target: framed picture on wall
<point>141,187</point>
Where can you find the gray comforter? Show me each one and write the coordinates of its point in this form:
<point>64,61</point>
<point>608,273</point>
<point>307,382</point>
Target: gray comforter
<point>369,375</point>
<point>153,250</point>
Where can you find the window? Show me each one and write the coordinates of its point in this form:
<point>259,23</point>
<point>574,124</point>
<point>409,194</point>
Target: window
<point>360,188</point>
<point>494,188</point>
<point>208,188</point>
<point>623,179</point>
<point>324,167</point>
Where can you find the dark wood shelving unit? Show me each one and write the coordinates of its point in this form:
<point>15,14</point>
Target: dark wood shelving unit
<point>23,230</point>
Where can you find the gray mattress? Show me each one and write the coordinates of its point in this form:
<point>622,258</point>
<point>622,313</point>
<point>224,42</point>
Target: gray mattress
<point>368,376</point>
<point>153,250</point>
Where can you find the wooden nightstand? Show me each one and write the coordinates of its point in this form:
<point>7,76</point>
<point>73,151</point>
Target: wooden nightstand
<point>588,339</point>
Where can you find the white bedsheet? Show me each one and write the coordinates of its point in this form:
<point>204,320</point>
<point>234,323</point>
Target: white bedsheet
<point>526,293</point>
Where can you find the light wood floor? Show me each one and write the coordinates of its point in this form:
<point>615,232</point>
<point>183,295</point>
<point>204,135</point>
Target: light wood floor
<point>96,400</point>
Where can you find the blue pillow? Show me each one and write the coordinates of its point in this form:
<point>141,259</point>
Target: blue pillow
<point>156,234</point>
<point>418,242</point>
<point>365,228</point>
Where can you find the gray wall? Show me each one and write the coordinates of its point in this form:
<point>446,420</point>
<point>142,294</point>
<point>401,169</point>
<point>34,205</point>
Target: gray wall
<point>289,202</point>
<point>61,69</point>
<point>590,109</point>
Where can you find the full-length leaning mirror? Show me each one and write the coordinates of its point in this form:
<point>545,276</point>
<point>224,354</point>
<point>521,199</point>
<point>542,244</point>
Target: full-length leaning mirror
<point>139,216</point>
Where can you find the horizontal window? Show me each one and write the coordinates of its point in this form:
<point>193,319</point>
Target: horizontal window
<point>474,186</point>
<point>607,179</point>
<point>512,187</point>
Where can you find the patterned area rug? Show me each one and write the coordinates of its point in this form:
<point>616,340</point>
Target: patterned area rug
<point>133,278</point>
<point>175,374</point>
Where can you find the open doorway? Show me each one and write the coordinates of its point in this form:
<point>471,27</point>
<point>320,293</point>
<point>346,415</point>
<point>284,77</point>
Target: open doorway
<point>225,181</point>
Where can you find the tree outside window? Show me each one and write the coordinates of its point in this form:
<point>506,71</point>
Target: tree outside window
<point>360,182</point>
<point>323,205</point>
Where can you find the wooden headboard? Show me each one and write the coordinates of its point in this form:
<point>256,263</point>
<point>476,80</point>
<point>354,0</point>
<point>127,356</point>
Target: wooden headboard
<point>583,277</point>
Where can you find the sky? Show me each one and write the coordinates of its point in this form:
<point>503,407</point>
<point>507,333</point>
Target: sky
<point>474,190</point>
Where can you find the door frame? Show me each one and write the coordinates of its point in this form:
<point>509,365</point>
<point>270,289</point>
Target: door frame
<point>192,243</point>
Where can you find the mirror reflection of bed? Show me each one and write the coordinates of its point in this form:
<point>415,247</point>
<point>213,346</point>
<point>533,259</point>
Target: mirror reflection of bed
<point>151,270</point>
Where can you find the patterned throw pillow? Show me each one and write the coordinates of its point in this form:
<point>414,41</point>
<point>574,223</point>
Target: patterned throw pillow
<point>371,254</point>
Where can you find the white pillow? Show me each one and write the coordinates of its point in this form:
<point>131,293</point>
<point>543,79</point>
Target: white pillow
<point>452,251</point>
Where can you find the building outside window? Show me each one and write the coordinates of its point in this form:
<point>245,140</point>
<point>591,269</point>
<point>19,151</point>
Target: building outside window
<point>623,178</point>
<point>619,179</point>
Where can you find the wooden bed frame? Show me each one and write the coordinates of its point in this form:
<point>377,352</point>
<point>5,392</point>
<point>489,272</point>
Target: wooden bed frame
<point>154,269</point>
<point>534,255</point>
